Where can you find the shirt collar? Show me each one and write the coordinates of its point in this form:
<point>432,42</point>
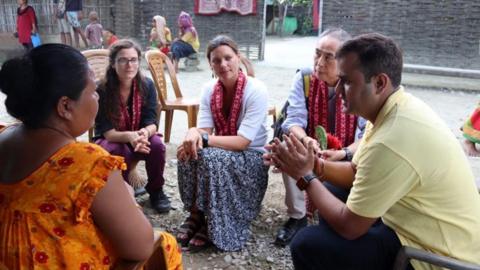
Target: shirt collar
<point>395,98</point>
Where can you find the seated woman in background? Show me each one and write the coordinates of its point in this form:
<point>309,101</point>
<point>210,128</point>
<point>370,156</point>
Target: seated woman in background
<point>160,36</point>
<point>188,43</point>
<point>221,176</point>
<point>109,38</point>
<point>64,204</point>
<point>471,133</point>
<point>126,124</point>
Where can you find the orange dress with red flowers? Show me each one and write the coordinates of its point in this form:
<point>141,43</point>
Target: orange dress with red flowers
<point>45,219</point>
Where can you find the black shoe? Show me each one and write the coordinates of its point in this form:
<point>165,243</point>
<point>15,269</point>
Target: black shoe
<point>140,191</point>
<point>160,202</point>
<point>288,230</point>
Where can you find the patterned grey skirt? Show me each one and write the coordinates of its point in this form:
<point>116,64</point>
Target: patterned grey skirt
<point>228,187</point>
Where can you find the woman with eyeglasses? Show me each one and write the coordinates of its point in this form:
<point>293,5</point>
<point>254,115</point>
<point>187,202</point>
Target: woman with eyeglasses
<point>126,123</point>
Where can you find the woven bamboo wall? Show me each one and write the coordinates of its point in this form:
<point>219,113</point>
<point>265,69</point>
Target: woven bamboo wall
<point>431,32</point>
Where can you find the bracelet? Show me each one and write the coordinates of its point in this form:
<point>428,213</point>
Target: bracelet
<point>322,168</point>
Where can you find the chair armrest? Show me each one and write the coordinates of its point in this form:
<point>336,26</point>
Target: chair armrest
<point>406,253</point>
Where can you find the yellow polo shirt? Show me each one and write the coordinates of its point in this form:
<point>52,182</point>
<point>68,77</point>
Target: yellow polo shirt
<point>412,172</point>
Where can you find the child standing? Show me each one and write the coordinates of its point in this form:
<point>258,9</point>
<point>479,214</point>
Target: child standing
<point>160,35</point>
<point>93,31</point>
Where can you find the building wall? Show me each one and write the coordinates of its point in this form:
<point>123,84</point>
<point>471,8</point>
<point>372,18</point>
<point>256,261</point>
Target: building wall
<point>431,32</point>
<point>133,18</point>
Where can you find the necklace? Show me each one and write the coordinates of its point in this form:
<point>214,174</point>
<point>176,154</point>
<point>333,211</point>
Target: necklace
<point>62,132</point>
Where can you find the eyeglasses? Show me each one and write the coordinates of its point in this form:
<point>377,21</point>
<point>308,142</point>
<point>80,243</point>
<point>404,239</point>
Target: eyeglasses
<point>124,61</point>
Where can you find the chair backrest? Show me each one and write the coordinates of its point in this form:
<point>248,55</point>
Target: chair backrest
<point>99,61</point>
<point>248,66</point>
<point>156,63</point>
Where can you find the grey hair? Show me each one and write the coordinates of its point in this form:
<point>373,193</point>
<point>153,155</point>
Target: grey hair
<point>337,33</point>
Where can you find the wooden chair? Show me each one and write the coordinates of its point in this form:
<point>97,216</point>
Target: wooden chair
<point>405,254</point>
<point>250,72</point>
<point>99,61</point>
<point>156,62</point>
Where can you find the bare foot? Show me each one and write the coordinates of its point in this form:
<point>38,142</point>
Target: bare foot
<point>470,149</point>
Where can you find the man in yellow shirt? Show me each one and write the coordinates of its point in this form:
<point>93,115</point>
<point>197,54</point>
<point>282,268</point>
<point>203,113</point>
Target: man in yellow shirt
<point>411,182</point>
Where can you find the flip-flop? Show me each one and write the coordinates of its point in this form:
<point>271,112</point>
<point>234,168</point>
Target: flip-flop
<point>201,236</point>
<point>188,229</point>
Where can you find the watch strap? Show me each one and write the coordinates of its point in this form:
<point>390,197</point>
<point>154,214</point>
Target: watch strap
<point>204,140</point>
<point>305,180</point>
<point>348,154</point>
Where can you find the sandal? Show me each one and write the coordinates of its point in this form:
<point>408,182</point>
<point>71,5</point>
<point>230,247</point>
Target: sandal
<point>199,241</point>
<point>189,228</point>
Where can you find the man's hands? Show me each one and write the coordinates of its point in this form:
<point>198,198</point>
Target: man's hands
<point>190,146</point>
<point>291,157</point>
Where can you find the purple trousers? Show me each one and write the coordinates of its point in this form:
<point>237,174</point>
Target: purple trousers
<point>154,161</point>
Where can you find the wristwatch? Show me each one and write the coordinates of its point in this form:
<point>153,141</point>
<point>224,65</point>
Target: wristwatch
<point>205,140</point>
<point>348,154</point>
<point>305,180</point>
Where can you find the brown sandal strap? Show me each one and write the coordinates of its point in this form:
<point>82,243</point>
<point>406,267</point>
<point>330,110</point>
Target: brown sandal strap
<point>201,235</point>
<point>189,228</point>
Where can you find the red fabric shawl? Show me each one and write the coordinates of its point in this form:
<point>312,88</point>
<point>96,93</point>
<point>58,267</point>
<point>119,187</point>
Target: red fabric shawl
<point>227,126</point>
<point>129,121</point>
<point>345,124</point>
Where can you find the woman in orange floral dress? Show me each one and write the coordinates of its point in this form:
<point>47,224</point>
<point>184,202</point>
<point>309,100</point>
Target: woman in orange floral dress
<point>64,204</point>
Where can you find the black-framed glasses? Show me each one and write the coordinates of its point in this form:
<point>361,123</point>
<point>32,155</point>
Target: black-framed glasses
<point>124,61</point>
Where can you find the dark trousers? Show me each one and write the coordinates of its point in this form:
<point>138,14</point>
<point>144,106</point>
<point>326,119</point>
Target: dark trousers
<point>181,49</point>
<point>154,161</point>
<point>27,46</point>
<point>319,247</point>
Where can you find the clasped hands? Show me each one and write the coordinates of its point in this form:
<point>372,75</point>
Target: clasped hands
<point>190,146</point>
<point>139,141</point>
<point>291,156</point>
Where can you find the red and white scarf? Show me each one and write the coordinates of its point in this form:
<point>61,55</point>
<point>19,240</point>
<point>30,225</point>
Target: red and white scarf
<point>345,124</point>
<point>227,126</point>
<point>131,121</point>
